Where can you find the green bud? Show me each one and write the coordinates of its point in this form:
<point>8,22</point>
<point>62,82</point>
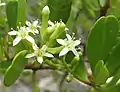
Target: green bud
<point>58,33</point>
<point>69,78</point>
<point>46,11</point>
<point>48,33</point>
<point>45,18</point>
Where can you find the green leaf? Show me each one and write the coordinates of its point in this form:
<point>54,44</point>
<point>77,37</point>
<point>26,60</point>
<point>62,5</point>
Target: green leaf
<point>60,9</point>
<point>16,68</point>
<point>115,79</point>
<point>21,13</point>
<point>79,71</point>
<point>102,3</point>
<point>16,13</point>
<point>11,12</point>
<point>101,39</point>
<point>100,73</point>
<point>113,61</point>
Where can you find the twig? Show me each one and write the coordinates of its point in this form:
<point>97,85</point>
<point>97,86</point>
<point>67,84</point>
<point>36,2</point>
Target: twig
<point>32,67</point>
<point>103,10</point>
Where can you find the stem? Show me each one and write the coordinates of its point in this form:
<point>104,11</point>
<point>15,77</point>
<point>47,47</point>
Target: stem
<point>103,10</point>
<point>34,81</point>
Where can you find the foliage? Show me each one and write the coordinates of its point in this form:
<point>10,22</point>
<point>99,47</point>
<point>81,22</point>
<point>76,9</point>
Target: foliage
<point>53,33</point>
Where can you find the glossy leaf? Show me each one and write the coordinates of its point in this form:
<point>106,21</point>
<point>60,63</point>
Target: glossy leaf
<point>101,73</point>
<point>11,11</point>
<point>16,13</point>
<point>113,61</point>
<point>16,68</point>
<point>101,39</point>
<point>115,79</point>
<point>21,12</point>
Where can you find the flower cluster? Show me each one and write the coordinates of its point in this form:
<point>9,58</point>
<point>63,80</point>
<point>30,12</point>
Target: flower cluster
<point>69,43</point>
<point>23,32</point>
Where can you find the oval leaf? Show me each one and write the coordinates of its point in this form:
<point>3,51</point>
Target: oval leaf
<point>101,39</point>
<point>113,61</point>
<point>101,73</point>
<point>16,68</point>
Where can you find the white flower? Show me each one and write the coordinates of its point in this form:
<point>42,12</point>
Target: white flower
<point>39,53</point>
<point>22,33</point>
<point>32,27</point>
<point>69,45</point>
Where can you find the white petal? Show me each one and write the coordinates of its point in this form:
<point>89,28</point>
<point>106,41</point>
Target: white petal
<point>13,33</point>
<point>30,39</point>
<point>23,28</point>
<point>75,52</point>
<point>30,30</point>
<point>48,55</point>
<point>50,23</point>
<point>35,47</point>
<point>35,23</point>
<point>77,42</point>
<point>36,31</point>
<point>61,41</point>
<point>109,79</point>
<point>16,41</point>
<point>44,48</point>
<point>40,60</point>
<point>66,29</point>
<point>30,55</point>
<point>68,37</point>
<point>64,51</point>
<point>28,23</point>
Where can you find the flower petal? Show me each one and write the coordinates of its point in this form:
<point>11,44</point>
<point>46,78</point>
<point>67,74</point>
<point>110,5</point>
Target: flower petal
<point>30,39</point>
<point>68,37</point>
<point>30,55</point>
<point>50,23</point>
<point>75,52</point>
<point>48,55</point>
<point>44,48</point>
<point>64,51</point>
<point>35,47</point>
<point>16,41</point>
<point>76,42</point>
<point>66,29</point>
<point>13,33</point>
<point>28,23</point>
<point>40,60</point>
<point>36,31</point>
<point>61,41</point>
<point>35,23</point>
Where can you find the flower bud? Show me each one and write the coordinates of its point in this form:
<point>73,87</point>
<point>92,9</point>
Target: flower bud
<point>46,11</point>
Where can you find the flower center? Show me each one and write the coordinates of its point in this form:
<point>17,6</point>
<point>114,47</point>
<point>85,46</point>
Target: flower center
<point>39,52</point>
<point>22,33</point>
<point>70,44</point>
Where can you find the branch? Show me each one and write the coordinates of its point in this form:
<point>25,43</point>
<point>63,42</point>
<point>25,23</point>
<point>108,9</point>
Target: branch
<point>103,10</point>
<point>32,67</point>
